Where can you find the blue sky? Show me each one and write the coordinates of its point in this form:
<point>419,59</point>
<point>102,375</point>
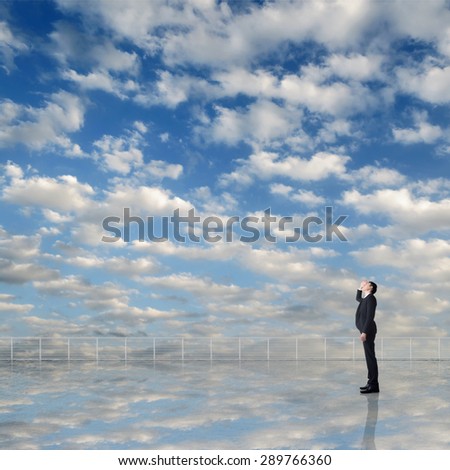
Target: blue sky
<point>228,109</point>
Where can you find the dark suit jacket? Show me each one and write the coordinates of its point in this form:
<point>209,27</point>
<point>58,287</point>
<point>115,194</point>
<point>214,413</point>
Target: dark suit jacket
<point>365,313</point>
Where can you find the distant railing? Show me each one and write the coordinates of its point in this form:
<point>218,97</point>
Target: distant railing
<point>217,349</point>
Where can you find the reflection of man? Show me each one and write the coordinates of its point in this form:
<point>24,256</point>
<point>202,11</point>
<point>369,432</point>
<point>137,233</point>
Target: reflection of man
<point>368,441</point>
<point>365,315</point>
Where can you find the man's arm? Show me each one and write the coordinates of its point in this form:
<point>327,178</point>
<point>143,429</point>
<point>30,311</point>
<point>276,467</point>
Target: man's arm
<point>371,304</point>
<point>359,295</point>
<point>359,291</point>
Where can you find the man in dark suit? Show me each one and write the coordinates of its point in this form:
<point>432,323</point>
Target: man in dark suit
<point>365,315</point>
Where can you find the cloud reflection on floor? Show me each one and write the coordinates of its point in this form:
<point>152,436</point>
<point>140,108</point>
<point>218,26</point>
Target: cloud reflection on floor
<point>201,405</point>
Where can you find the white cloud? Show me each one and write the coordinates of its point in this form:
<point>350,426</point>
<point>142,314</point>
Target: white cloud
<point>193,33</point>
<point>161,169</point>
<point>429,84</point>
<point>117,264</point>
<point>7,306</point>
<point>302,83</point>
<point>309,198</point>
<point>334,88</point>
<point>18,259</point>
<point>291,266</point>
<point>19,246</point>
<point>130,20</point>
<point>56,217</point>
<point>73,46</point>
<point>145,200</point>
<point>104,66</point>
<point>10,46</point>
<point>336,99</point>
<point>40,127</point>
<point>109,302</point>
<point>172,89</point>
<point>407,211</point>
<point>444,41</point>
<point>281,189</point>
<point>436,187</point>
<point>120,154</point>
<point>211,204</point>
<point>140,127</point>
<point>262,122</point>
<point>423,131</point>
<point>218,305</point>
<point>260,30</point>
<point>370,175</point>
<point>430,257</point>
<point>427,21</point>
<point>13,171</point>
<point>125,155</point>
<point>77,287</point>
<point>114,60</point>
<point>220,251</point>
<point>64,199</point>
<point>356,67</point>
<point>46,231</point>
<point>333,130</point>
<point>94,81</point>
<point>202,288</point>
<point>419,267</point>
<point>21,273</point>
<point>164,137</point>
<point>202,28</point>
<point>268,165</point>
<point>257,83</point>
<point>64,193</point>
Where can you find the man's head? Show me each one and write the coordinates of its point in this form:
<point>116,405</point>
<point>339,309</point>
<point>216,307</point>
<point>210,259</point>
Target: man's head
<point>369,287</point>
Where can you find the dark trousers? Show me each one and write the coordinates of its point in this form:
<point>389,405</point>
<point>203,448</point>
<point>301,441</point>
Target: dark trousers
<point>371,360</point>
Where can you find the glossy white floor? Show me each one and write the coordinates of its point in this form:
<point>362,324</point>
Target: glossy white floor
<point>232,405</point>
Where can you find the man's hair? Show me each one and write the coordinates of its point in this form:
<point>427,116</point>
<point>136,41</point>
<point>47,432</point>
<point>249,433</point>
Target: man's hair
<point>374,286</point>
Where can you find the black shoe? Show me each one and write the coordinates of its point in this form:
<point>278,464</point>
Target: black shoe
<point>364,388</point>
<point>370,389</point>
